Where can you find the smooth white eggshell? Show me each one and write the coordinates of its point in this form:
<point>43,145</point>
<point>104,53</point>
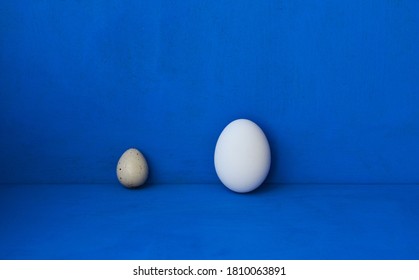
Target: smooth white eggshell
<point>132,168</point>
<point>242,156</point>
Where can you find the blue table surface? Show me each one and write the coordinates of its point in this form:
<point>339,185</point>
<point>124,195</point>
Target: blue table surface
<point>209,222</point>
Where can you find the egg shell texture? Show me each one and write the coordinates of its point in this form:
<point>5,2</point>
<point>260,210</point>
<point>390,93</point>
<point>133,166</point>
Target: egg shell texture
<point>132,168</point>
<point>242,156</point>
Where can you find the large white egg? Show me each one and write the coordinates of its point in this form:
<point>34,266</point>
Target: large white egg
<point>132,168</point>
<point>242,156</point>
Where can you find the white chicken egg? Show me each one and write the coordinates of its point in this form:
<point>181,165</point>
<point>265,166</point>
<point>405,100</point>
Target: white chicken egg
<point>132,168</point>
<point>242,156</point>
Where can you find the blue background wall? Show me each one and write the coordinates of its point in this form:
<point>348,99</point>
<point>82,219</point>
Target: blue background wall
<point>334,84</point>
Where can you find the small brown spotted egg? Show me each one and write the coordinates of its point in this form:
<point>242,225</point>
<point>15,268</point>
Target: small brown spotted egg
<point>132,168</point>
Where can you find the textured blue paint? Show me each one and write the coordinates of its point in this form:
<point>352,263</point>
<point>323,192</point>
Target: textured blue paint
<point>209,222</point>
<point>334,84</point>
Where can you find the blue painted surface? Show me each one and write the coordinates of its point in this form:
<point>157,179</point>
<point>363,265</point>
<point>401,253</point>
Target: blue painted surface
<point>334,85</point>
<point>209,222</point>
